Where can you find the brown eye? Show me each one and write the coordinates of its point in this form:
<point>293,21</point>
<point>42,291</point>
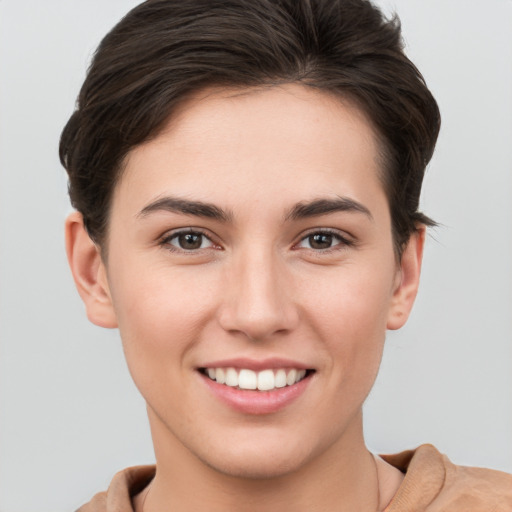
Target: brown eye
<point>320,241</point>
<point>189,241</point>
<point>323,241</point>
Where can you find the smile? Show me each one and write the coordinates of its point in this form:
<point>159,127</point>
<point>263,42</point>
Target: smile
<point>265,380</point>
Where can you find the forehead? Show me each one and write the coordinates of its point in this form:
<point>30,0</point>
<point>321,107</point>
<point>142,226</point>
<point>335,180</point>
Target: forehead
<point>301,114</point>
<point>229,143</point>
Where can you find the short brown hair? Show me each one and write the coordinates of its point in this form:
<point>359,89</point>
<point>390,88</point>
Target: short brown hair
<point>164,50</point>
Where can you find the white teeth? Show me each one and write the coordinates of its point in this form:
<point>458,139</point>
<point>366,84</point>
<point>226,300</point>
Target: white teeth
<point>291,377</point>
<point>247,379</point>
<point>280,379</point>
<point>220,375</point>
<point>231,377</point>
<point>266,380</point>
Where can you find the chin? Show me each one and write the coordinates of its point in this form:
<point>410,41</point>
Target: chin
<point>258,459</point>
<point>255,467</point>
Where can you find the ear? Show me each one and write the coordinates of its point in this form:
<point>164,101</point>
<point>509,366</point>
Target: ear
<point>89,273</point>
<point>407,281</point>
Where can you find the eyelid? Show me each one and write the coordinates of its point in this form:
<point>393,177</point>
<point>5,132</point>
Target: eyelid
<point>164,240</point>
<point>345,240</point>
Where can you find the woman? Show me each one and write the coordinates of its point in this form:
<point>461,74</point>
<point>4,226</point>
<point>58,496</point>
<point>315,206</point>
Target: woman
<point>246,177</point>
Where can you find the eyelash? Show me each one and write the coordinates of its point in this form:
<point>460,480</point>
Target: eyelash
<point>165,241</point>
<point>343,241</point>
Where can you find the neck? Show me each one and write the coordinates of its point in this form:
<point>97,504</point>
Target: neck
<point>342,478</point>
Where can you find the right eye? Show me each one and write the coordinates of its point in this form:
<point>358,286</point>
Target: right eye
<point>187,241</point>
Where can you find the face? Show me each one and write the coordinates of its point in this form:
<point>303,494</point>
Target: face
<point>249,247</point>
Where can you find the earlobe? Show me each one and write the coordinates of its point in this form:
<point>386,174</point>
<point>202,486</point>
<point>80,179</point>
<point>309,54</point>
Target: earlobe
<point>408,280</point>
<point>89,273</point>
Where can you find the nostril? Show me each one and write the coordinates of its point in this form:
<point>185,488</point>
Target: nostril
<point>258,325</point>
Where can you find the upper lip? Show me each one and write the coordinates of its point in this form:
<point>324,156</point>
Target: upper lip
<point>255,364</point>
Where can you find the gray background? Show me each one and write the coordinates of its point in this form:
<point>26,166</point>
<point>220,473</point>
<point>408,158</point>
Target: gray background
<point>70,416</point>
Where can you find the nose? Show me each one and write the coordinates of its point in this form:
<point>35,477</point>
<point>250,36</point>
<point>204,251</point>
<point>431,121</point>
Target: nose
<point>258,299</point>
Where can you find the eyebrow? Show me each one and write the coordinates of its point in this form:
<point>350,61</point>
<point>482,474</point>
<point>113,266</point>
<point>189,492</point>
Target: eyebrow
<point>187,207</point>
<point>317,207</point>
<point>302,210</point>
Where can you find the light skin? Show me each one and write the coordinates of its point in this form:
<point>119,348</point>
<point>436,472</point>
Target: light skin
<point>255,227</point>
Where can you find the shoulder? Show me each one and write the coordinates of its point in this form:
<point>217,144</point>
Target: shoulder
<point>434,484</point>
<point>124,486</point>
<point>97,504</point>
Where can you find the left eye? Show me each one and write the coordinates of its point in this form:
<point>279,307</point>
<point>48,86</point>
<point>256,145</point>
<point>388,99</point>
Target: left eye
<point>189,241</point>
<point>322,240</point>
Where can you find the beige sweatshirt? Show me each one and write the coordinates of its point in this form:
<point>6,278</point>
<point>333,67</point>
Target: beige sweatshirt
<point>431,484</point>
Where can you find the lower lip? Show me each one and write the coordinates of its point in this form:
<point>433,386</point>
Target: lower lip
<point>257,402</point>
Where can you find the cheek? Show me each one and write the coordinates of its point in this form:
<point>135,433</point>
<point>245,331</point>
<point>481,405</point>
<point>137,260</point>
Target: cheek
<point>348,300</point>
<point>161,314</point>
<point>349,310</point>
